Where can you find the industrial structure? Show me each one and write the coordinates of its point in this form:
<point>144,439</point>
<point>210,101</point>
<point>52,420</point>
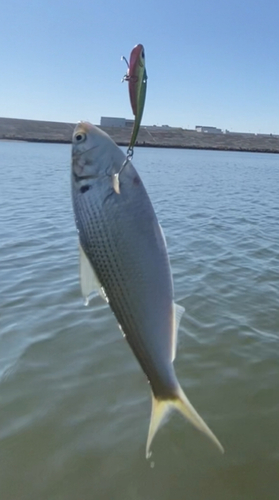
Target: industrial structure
<point>115,122</point>
<point>111,121</point>
<point>208,130</point>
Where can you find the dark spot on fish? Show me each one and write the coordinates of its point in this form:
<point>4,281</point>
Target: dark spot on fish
<point>83,189</point>
<point>142,54</point>
<point>136,180</point>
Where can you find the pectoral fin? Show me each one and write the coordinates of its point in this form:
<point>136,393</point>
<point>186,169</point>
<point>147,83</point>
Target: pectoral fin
<point>89,282</point>
<point>177,315</point>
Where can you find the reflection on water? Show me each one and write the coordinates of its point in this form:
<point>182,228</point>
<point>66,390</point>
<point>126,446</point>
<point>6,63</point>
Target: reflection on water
<point>74,404</point>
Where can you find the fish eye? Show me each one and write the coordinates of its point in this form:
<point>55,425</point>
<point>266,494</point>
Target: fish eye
<point>80,137</point>
<point>142,54</point>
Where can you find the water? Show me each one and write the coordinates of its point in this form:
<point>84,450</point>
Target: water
<point>74,404</point>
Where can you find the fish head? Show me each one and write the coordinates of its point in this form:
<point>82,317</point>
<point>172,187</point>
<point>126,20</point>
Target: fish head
<point>94,154</point>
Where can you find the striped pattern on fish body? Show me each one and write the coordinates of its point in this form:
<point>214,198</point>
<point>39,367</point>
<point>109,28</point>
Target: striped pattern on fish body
<point>123,243</point>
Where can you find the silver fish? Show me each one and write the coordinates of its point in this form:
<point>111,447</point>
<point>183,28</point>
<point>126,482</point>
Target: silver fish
<point>123,255</point>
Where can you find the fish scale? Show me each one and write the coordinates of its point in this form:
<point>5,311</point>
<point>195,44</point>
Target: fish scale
<point>117,270</point>
<point>123,244</point>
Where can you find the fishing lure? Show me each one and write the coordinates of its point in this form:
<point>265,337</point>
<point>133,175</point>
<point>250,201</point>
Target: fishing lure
<point>136,77</point>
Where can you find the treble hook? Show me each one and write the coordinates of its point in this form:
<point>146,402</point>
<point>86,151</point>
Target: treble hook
<point>123,58</point>
<point>126,76</point>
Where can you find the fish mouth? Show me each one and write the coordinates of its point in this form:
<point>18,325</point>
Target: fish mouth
<point>76,155</point>
<point>83,177</point>
<point>75,159</point>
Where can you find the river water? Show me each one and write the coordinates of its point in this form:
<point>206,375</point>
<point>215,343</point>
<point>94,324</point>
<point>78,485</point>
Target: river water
<point>74,404</point>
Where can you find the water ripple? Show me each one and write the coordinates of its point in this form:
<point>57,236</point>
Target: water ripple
<point>74,405</point>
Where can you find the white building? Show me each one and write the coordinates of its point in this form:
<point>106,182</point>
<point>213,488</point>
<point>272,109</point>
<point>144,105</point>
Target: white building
<point>208,130</point>
<point>110,121</point>
<point>107,121</point>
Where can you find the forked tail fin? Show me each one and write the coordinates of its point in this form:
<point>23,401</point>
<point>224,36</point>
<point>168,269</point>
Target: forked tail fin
<point>160,409</point>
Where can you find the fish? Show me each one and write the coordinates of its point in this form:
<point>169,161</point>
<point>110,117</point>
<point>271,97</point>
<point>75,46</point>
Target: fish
<point>123,256</point>
<point>137,80</point>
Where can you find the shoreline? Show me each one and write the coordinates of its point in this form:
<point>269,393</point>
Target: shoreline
<point>14,129</point>
<point>151,145</point>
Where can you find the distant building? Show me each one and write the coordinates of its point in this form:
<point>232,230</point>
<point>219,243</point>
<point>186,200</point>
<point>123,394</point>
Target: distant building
<point>244,134</point>
<point>107,121</point>
<point>111,121</point>
<point>129,123</point>
<point>208,130</point>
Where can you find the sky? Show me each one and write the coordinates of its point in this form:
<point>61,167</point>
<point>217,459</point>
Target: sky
<point>209,62</point>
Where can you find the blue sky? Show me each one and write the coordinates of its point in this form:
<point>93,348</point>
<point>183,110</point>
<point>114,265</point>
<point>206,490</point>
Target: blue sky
<point>209,62</point>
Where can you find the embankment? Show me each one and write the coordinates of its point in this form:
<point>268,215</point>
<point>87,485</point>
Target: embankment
<point>59,132</point>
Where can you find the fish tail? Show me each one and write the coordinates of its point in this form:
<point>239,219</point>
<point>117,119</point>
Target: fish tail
<point>160,410</point>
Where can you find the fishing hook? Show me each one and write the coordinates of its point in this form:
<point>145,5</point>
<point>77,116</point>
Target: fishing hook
<point>126,76</point>
<point>123,58</point>
<point>116,177</point>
